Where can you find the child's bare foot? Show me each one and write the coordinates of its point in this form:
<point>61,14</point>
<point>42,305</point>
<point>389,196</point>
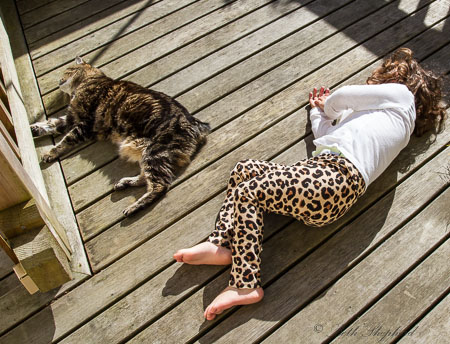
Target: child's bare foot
<point>230,297</point>
<point>204,253</point>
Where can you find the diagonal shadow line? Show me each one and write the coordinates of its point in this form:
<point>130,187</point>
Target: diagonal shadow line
<point>119,33</point>
<point>420,18</point>
<point>446,27</point>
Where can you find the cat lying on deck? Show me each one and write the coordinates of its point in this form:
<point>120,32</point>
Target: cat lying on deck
<point>148,126</point>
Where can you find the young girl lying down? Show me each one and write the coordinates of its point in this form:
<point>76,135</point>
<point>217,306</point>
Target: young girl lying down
<point>374,123</point>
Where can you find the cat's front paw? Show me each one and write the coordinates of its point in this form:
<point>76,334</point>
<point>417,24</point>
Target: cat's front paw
<point>51,156</point>
<point>39,129</point>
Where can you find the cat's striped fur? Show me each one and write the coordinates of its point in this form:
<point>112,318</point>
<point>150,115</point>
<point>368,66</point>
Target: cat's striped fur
<point>148,126</point>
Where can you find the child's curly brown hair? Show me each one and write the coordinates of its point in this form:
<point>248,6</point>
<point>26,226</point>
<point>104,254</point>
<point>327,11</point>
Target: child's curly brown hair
<point>402,68</point>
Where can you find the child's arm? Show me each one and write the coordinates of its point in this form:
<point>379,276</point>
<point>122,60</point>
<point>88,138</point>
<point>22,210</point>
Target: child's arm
<point>367,97</point>
<point>319,122</point>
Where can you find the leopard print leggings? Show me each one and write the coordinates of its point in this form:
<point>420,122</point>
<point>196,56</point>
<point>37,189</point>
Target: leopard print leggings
<point>316,191</point>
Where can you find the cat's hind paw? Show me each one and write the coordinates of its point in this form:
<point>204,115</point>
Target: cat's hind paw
<point>144,201</point>
<point>131,209</point>
<point>51,156</point>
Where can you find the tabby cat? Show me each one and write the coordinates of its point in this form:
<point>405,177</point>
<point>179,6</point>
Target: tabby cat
<point>148,126</point>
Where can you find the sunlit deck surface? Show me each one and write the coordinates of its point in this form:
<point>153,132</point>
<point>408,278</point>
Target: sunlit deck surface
<point>380,274</point>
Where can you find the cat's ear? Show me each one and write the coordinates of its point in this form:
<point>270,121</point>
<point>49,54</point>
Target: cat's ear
<point>79,60</point>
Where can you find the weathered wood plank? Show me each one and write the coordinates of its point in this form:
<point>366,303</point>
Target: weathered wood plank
<point>3,96</point>
<point>18,111</point>
<point>65,19</point>
<point>225,57</point>
<point>106,177</point>
<point>11,187</point>
<point>87,26</point>
<point>25,279</point>
<point>15,301</point>
<point>42,258</point>
<point>40,261</point>
<point>215,175</point>
<point>29,246</point>
<point>16,304</point>
<point>6,247</point>
<point>9,280</point>
<point>24,6</point>
<point>84,162</point>
<point>25,188</point>
<point>418,290</point>
<point>373,275</point>
<point>219,109</point>
<point>19,218</point>
<point>48,11</point>
<point>284,75</point>
<point>5,265</point>
<point>147,20</point>
<point>5,116</point>
<point>280,22</point>
<point>310,279</point>
<point>185,19</point>
<point>312,32</point>
<point>57,194</point>
<point>156,49</point>
<point>9,138</point>
<point>21,169</point>
<point>432,328</point>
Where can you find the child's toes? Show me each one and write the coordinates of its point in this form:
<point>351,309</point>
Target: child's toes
<point>178,256</point>
<point>208,315</point>
<point>212,311</point>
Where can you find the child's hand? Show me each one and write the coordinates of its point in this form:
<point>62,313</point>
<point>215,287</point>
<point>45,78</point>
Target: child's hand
<point>318,99</point>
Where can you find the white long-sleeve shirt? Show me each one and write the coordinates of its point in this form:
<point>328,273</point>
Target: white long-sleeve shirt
<point>375,123</point>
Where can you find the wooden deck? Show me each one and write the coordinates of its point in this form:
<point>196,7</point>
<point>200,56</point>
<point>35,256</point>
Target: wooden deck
<point>381,274</point>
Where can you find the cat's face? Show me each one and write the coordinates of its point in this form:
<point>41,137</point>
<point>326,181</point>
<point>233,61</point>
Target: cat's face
<point>74,75</point>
